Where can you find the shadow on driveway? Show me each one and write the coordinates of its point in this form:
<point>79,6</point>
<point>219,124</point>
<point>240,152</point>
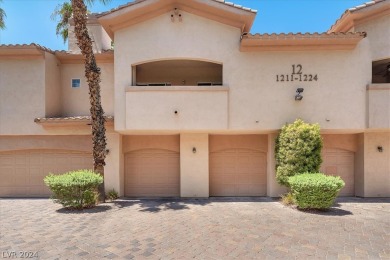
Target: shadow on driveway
<point>161,204</point>
<point>97,209</point>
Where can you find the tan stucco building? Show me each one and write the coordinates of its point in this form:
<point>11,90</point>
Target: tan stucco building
<point>194,102</point>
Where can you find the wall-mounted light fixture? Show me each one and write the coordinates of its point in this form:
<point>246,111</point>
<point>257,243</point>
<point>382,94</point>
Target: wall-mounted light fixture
<point>298,96</point>
<point>194,149</point>
<point>380,148</point>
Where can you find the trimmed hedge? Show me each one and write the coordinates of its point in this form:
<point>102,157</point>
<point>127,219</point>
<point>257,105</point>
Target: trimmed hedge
<point>297,150</point>
<point>76,189</point>
<point>315,190</point>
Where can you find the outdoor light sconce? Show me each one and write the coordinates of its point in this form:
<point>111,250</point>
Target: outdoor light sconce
<point>194,149</point>
<point>380,149</point>
<point>298,96</point>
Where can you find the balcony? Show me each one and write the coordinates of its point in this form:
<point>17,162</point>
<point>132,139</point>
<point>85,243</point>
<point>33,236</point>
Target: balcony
<point>177,107</point>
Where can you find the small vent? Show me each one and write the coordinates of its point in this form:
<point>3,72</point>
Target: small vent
<point>76,83</point>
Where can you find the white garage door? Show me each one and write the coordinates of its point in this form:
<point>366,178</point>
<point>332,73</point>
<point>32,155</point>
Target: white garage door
<point>238,172</point>
<point>152,173</point>
<point>22,172</point>
<point>339,162</point>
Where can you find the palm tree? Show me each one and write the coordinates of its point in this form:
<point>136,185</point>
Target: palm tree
<point>92,73</point>
<point>64,12</point>
<point>2,16</point>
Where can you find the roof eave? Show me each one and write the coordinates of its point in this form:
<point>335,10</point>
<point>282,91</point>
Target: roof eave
<point>146,9</point>
<point>69,58</point>
<point>355,16</point>
<point>300,42</point>
<point>23,51</point>
<point>70,121</point>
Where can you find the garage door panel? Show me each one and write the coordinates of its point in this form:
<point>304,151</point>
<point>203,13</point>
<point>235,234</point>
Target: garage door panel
<point>152,173</point>
<point>249,179</point>
<point>244,189</point>
<point>7,160</point>
<point>23,172</point>
<point>338,162</point>
<point>225,190</point>
<point>237,172</point>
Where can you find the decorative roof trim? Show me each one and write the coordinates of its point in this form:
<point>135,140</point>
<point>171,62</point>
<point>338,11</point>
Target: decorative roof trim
<point>300,42</point>
<point>23,51</point>
<point>98,15</point>
<point>142,10</point>
<point>360,13</point>
<point>69,120</point>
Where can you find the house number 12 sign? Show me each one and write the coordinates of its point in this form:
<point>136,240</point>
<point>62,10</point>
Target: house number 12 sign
<point>296,75</point>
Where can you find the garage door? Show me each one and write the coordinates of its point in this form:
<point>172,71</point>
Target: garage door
<point>22,172</point>
<point>339,162</point>
<point>238,172</point>
<point>152,173</point>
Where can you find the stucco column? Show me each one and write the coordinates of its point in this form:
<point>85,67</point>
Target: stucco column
<point>377,164</point>
<point>113,171</point>
<point>274,189</point>
<point>194,165</point>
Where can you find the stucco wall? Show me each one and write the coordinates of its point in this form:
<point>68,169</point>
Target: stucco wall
<point>114,164</point>
<point>169,109</point>
<point>359,166</point>
<point>379,106</point>
<point>378,33</point>
<point>75,101</point>
<point>274,189</point>
<point>158,39</point>
<point>22,96</point>
<point>377,165</point>
<point>52,86</point>
<point>71,143</point>
<point>100,39</point>
<point>256,101</point>
<point>194,166</point>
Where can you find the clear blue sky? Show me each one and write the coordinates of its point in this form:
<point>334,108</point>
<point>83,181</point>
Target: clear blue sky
<point>29,20</point>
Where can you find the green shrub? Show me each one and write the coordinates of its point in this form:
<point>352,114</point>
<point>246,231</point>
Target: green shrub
<point>112,195</point>
<point>315,190</point>
<point>76,189</point>
<point>297,150</point>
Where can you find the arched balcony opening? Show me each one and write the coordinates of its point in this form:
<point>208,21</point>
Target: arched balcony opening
<point>177,73</point>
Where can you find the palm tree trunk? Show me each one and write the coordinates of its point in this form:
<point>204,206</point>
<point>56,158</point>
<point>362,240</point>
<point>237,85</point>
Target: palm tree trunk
<point>92,73</point>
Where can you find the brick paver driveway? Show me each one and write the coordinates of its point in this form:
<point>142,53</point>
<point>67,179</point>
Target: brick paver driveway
<point>204,229</point>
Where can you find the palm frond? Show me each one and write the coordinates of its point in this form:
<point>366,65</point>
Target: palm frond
<point>62,13</point>
<point>2,17</point>
<point>90,2</point>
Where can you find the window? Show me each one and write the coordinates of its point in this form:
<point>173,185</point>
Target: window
<point>381,71</point>
<point>76,83</point>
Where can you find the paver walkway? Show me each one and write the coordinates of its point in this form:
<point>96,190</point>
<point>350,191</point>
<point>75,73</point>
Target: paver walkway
<point>243,228</point>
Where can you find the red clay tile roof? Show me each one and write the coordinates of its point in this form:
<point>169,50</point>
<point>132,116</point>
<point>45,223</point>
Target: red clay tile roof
<point>39,47</point>
<point>358,7</point>
<point>267,36</point>
<point>354,9</point>
<point>98,15</point>
<point>68,119</point>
